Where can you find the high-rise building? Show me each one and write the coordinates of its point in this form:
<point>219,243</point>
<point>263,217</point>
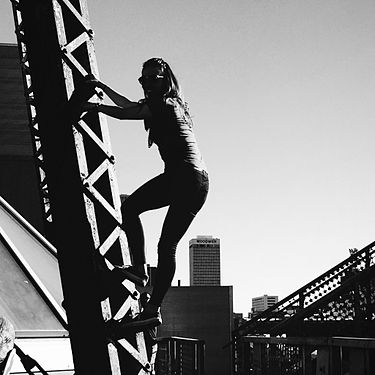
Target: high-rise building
<point>262,303</point>
<point>204,254</point>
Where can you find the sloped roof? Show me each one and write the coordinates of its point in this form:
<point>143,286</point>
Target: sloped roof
<point>30,287</point>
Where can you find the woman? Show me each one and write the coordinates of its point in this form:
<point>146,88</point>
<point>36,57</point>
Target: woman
<point>183,186</point>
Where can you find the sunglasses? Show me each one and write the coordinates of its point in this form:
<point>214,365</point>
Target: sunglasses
<point>151,78</point>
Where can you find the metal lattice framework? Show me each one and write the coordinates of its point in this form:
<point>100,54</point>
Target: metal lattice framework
<point>95,171</point>
<point>308,297</point>
<point>31,111</point>
<point>354,300</point>
<point>340,301</point>
<point>365,307</point>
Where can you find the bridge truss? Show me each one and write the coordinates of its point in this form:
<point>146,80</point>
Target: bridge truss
<point>78,186</point>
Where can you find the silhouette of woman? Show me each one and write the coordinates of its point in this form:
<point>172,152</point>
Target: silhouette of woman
<point>183,186</point>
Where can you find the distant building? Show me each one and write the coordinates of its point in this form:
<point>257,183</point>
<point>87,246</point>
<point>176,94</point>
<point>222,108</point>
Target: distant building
<point>19,182</point>
<point>204,313</point>
<point>204,254</point>
<point>203,310</point>
<point>262,303</point>
<point>238,320</point>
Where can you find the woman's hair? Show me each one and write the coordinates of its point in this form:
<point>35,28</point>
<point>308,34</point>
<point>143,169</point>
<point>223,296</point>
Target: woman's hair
<point>173,89</point>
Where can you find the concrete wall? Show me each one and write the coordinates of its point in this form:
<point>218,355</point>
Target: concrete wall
<point>202,313</point>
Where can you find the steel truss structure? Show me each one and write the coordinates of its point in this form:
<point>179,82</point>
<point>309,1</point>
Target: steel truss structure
<point>341,302</point>
<point>78,185</point>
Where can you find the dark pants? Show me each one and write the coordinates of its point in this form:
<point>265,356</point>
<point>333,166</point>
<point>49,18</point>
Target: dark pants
<point>184,190</point>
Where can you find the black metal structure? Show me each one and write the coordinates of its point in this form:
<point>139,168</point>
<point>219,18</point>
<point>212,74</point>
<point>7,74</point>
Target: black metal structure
<point>340,302</point>
<point>307,355</point>
<point>77,182</point>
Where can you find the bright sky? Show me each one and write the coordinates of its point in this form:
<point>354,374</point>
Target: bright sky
<point>282,94</point>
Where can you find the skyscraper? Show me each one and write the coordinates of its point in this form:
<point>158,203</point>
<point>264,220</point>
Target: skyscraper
<point>204,254</point>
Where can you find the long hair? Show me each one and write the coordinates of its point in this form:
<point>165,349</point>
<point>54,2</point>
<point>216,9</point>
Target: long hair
<point>173,89</point>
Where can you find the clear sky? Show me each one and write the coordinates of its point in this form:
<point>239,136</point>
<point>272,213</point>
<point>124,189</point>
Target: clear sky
<point>283,98</point>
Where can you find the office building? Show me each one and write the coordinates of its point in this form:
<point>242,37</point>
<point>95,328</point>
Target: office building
<point>262,303</point>
<point>204,313</point>
<point>204,254</point>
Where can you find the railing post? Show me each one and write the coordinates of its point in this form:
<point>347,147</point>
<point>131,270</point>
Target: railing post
<point>245,356</point>
<point>174,358</point>
<point>179,357</point>
<point>257,358</point>
<point>336,360</point>
<point>273,362</point>
<point>235,354</point>
<point>201,358</point>
<point>307,361</point>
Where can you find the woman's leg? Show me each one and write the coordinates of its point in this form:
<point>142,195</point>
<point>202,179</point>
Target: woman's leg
<point>189,195</point>
<point>175,225</point>
<point>187,192</point>
<point>152,195</point>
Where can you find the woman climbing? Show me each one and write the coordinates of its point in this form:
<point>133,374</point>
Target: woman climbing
<point>183,185</point>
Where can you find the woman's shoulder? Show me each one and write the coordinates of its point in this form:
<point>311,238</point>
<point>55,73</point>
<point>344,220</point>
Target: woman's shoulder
<point>173,102</point>
<point>176,105</point>
<point>166,107</point>
<point>168,101</point>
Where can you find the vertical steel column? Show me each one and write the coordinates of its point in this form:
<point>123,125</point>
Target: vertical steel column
<point>78,183</point>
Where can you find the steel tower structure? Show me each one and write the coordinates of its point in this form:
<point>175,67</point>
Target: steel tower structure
<point>78,185</point>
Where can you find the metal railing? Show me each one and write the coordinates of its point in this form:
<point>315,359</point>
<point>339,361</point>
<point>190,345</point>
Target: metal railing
<point>306,356</point>
<point>180,356</point>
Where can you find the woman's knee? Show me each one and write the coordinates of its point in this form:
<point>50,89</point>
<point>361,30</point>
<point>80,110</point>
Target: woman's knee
<point>167,250</point>
<point>129,209</point>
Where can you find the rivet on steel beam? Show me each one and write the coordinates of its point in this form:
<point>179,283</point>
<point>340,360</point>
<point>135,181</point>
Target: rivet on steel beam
<point>90,32</point>
<point>64,51</point>
<point>135,294</point>
<point>112,159</point>
<point>147,366</point>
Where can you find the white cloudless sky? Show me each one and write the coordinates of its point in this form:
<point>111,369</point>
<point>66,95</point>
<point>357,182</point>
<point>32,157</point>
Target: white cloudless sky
<point>282,93</point>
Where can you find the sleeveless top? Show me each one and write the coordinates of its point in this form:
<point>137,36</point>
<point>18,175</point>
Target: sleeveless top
<point>170,128</point>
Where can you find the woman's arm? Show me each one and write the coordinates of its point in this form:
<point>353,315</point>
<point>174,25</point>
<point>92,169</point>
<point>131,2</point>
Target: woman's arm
<point>117,98</point>
<point>137,112</point>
